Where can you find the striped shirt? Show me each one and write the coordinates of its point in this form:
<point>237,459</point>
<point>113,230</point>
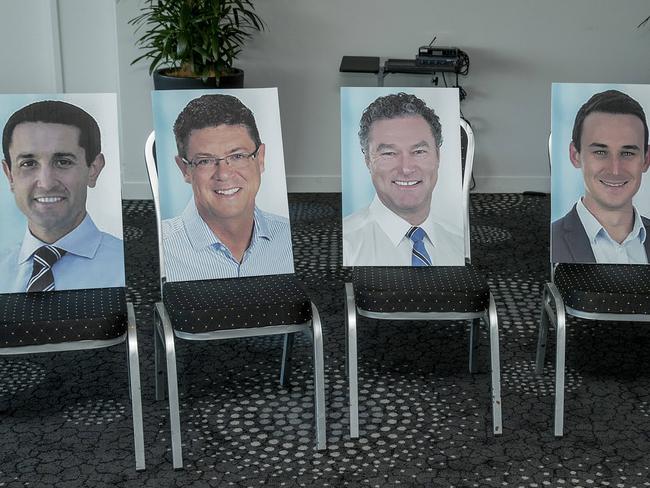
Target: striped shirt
<point>193,252</point>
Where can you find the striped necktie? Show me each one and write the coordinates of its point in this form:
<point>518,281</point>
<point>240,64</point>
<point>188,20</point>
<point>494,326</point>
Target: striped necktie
<point>419,256</point>
<point>42,277</point>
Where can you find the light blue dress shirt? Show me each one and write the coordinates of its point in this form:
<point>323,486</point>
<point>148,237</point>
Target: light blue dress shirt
<point>93,259</point>
<point>607,250</point>
<point>192,251</point>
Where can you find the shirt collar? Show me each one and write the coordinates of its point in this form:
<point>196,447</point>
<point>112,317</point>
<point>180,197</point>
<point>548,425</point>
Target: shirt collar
<point>200,235</point>
<point>594,229</point>
<point>394,226</point>
<point>82,241</point>
<point>261,229</point>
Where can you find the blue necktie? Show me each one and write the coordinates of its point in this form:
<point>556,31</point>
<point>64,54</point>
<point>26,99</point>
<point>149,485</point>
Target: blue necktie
<point>419,256</point>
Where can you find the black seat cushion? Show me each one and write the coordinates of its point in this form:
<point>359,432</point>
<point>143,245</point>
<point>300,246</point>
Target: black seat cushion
<point>425,289</point>
<point>29,319</point>
<point>605,288</point>
<point>235,303</point>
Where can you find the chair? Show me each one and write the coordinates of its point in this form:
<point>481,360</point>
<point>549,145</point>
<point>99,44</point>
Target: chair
<point>594,292</point>
<point>225,309</point>
<point>609,292</point>
<point>57,321</point>
<point>434,293</point>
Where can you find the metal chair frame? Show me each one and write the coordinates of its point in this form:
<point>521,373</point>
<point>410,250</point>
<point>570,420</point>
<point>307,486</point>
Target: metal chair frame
<point>489,316</point>
<point>164,342</point>
<point>133,366</point>
<point>558,318</point>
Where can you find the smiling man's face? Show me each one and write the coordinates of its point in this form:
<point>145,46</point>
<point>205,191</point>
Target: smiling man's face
<point>403,159</point>
<point>223,192</point>
<point>613,159</point>
<point>49,176</point>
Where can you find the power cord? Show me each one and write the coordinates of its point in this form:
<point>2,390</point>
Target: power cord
<point>463,63</point>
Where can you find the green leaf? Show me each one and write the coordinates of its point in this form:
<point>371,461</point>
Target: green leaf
<point>203,34</point>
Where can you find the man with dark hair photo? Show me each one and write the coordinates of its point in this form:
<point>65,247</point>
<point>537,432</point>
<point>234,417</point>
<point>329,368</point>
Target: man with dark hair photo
<point>610,146</point>
<point>222,233</point>
<point>52,155</point>
<point>400,138</point>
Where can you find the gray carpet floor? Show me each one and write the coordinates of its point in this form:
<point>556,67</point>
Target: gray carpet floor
<point>425,420</point>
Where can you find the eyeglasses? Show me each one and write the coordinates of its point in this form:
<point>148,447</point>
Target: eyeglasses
<point>236,160</point>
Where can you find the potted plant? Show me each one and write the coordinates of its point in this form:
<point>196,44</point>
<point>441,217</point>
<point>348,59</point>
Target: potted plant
<point>193,43</point>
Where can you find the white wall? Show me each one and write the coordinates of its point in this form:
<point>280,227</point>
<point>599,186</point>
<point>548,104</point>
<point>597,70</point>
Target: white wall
<point>88,45</point>
<point>135,95</point>
<point>517,48</point>
<point>51,46</point>
<point>29,55</point>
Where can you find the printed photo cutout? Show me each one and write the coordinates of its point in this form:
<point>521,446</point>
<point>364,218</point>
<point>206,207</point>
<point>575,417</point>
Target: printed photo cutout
<point>401,177</point>
<point>223,192</point>
<point>600,195</point>
<point>60,196</point>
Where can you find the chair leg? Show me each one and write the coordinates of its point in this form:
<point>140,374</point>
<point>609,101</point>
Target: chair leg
<point>159,357</point>
<point>495,367</point>
<point>474,339</point>
<point>560,326</point>
<point>543,334</point>
<point>559,377</point>
<point>319,379</point>
<point>351,359</point>
<point>172,387</point>
<point>347,352</point>
<point>134,388</point>
<point>285,369</point>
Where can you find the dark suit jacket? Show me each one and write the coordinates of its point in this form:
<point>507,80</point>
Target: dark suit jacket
<point>570,244</point>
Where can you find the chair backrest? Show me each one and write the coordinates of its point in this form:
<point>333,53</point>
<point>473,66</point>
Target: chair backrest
<point>468,163</point>
<point>550,168</point>
<point>152,172</point>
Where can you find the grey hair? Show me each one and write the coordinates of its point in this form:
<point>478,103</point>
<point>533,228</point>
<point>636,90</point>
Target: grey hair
<point>393,106</point>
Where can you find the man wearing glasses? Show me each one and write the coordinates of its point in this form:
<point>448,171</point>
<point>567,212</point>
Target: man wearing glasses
<point>221,233</point>
<point>400,139</point>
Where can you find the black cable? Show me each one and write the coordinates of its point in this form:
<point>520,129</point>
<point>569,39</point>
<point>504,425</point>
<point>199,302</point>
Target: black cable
<point>463,63</point>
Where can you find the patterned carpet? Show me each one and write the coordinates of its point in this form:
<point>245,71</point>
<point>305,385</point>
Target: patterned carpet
<point>425,420</point>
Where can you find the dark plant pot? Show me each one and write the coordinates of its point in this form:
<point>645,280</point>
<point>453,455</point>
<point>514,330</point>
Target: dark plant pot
<point>161,81</point>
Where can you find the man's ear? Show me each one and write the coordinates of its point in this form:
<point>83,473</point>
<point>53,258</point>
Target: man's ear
<point>366,160</point>
<point>646,159</point>
<point>95,169</point>
<point>7,170</point>
<point>574,156</point>
<point>184,168</point>
<point>261,154</point>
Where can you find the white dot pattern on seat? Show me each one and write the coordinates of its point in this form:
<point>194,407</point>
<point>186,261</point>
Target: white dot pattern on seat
<point>233,303</point>
<point>605,288</point>
<point>425,289</point>
<point>28,319</point>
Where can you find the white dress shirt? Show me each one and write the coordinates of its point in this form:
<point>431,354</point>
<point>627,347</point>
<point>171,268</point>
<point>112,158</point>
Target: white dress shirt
<point>375,236</point>
<point>607,250</point>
